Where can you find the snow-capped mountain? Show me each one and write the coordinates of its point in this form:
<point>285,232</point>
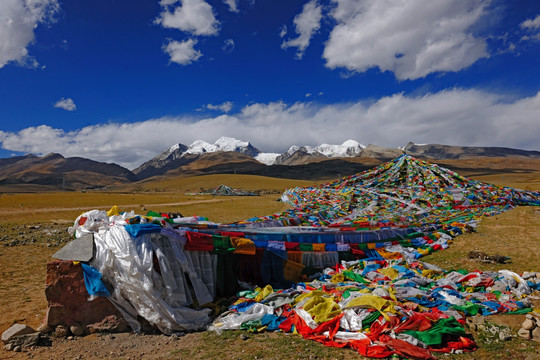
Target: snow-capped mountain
<point>222,144</point>
<point>302,154</point>
<point>267,158</point>
<point>228,150</point>
<point>180,154</point>
<point>347,149</point>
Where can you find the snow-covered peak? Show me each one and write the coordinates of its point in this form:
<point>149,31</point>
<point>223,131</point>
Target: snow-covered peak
<point>230,144</point>
<point>293,149</point>
<point>200,146</point>
<point>267,158</point>
<point>347,149</point>
<point>174,148</point>
<point>222,144</point>
<point>176,151</point>
<point>307,149</point>
<point>353,144</point>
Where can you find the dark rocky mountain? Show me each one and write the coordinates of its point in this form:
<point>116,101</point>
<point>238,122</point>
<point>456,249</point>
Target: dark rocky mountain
<point>298,156</point>
<point>229,155</point>
<point>179,155</point>
<point>380,153</point>
<point>236,163</point>
<point>436,151</point>
<point>72,173</point>
<point>167,160</point>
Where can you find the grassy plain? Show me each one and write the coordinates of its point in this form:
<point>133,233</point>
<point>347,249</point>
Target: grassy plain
<point>22,268</point>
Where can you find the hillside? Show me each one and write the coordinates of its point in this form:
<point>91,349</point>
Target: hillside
<point>57,172</point>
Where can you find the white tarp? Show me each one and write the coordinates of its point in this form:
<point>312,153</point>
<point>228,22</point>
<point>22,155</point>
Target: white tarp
<point>162,298</point>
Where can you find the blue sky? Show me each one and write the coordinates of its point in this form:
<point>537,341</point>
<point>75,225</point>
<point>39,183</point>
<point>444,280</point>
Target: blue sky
<point>121,81</point>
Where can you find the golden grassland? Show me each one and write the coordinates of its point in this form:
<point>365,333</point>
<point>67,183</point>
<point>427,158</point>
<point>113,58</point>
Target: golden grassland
<point>22,268</point>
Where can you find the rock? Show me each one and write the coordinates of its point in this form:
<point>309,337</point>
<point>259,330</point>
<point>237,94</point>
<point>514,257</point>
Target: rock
<point>45,329</point>
<point>61,331</point>
<point>77,330</point>
<point>528,324</point>
<point>244,337</point>
<point>55,314</point>
<point>526,334</point>
<point>529,316</point>
<point>111,324</point>
<point>27,340</point>
<point>478,319</point>
<point>476,322</point>
<point>14,330</point>
<point>17,349</point>
<point>68,302</point>
<point>505,335</point>
<point>536,334</point>
<point>8,347</point>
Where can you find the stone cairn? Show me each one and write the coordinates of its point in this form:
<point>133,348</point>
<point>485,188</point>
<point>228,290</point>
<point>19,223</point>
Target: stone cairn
<point>530,329</point>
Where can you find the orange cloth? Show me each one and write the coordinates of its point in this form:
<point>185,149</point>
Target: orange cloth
<point>319,247</point>
<point>243,246</point>
<point>389,255</point>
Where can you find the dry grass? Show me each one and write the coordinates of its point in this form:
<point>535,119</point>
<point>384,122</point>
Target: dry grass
<point>515,234</point>
<point>22,268</point>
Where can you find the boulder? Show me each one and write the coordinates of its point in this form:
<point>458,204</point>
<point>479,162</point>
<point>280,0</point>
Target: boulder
<point>14,330</point>
<point>61,331</point>
<point>77,330</point>
<point>528,324</point>
<point>526,334</point>
<point>45,329</point>
<point>27,340</point>
<point>536,334</point>
<point>69,306</point>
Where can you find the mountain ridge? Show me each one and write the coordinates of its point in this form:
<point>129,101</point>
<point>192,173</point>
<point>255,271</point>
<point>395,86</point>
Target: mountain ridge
<point>229,155</point>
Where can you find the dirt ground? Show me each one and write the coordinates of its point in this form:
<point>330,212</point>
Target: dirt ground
<point>23,301</point>
<point>25,249</point>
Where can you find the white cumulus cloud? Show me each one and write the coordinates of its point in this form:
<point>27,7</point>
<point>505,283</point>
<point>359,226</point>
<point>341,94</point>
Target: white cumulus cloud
<point>411,38</point>
<point>233,5</point>
<point>66,104</point>
<point>283,31</point>
<point>228,46</point>
<point>225,107</point>
<point>192,16</point>
<point>18,19</point>
<point>532,27</point>
<point>306,24</point>
<point>453,117</point>
<point>531,23</point>
<point>182,52</point>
